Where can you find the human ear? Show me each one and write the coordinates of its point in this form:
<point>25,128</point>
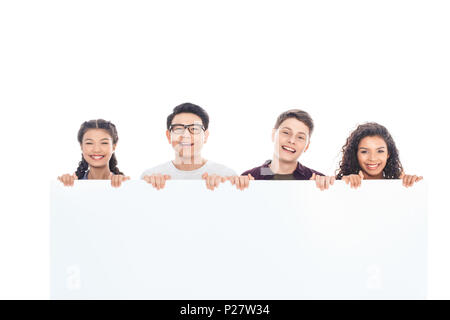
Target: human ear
<point>114,147</point>
<point>168,136</point>
<point>273,134</point>
<point>206,136</point>
<point>307,146</point>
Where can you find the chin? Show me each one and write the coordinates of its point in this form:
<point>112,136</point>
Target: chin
<point>374,175</point>
<point>288,159</point>
<point>98,165</point>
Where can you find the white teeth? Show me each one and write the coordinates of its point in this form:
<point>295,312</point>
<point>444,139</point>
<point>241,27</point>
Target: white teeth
<point>288,149</point>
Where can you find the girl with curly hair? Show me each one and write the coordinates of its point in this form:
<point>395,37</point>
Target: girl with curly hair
<point>98,140</point>
<point>370,153</point>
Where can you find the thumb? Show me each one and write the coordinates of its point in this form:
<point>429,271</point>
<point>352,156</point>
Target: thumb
<point>251,177</point>
<point>75,176</point>
<point>361,174</point>
<point>205,175</point>
<point>313,177</point>
<point>167,177</point>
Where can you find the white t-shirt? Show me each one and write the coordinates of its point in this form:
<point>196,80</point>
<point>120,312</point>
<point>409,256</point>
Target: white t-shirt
<point>209,167</point>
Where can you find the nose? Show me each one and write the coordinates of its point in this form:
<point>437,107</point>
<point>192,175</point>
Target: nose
<point>186,133</point>
<point>186,136</point>
<point>291,139</point>
<point>96,148</point>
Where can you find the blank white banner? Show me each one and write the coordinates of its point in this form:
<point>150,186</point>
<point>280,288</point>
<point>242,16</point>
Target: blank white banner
<point>275,240</point>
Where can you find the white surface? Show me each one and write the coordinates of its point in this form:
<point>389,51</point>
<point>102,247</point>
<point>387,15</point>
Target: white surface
<point>276,240</point>
<point>346,62</point>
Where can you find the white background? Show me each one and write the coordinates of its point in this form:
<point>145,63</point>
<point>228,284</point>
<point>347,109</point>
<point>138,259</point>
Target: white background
<point>131,62</point>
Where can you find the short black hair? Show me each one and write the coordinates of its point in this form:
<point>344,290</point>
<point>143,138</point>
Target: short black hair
<point>189,108</point>
<point>300,115</point>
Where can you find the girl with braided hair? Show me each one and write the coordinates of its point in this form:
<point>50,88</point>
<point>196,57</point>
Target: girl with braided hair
<point>98,140</point>
<point>370,153</point>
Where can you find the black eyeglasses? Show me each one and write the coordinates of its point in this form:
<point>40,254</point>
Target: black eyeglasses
<point>181,128</point>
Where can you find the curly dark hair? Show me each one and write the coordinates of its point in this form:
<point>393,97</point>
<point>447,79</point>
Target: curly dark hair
<point>349,163</point>
<point>83,166</point>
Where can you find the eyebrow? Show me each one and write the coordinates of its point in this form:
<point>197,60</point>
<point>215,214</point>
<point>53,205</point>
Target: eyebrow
<point>368,148</point>
<point>182,124</point>
<point>293,130</point>
<point>100,139</point>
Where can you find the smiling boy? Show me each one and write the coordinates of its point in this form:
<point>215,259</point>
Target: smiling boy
<point>291,137</point>
<point>187,132</point>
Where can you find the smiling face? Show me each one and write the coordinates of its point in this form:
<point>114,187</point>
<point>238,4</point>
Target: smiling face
<point>291,139</point>
<point>372,156</point>
<point>97,147</point>
<point>187,145</point>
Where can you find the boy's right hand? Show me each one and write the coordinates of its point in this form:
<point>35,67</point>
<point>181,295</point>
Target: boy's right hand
<point>158,181</point>
<point>354,179</point>
<point>68,179</point>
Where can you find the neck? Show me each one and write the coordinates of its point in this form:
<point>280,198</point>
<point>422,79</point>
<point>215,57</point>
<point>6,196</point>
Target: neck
<point>102,173</point>
<point>189,164</point>
<point>377,177</point>
<point>280,167</point>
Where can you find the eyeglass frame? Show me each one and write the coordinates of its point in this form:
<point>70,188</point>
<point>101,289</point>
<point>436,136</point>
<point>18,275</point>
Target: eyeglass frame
<point>186,126</point>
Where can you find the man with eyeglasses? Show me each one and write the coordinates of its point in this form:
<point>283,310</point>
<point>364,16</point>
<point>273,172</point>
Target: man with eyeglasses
<point>187,132</point>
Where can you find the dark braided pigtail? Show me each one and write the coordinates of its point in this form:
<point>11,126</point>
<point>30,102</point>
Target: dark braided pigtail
<point>83,166</point>
<point>113,165</point>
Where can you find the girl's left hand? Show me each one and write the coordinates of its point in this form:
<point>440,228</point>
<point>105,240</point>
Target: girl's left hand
<point>117,179</point>
<point>409,180</point>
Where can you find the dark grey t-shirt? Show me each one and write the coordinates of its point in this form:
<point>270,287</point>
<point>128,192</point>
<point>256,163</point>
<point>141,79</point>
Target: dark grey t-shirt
<point>277,176</point>
<point>265,173</point>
